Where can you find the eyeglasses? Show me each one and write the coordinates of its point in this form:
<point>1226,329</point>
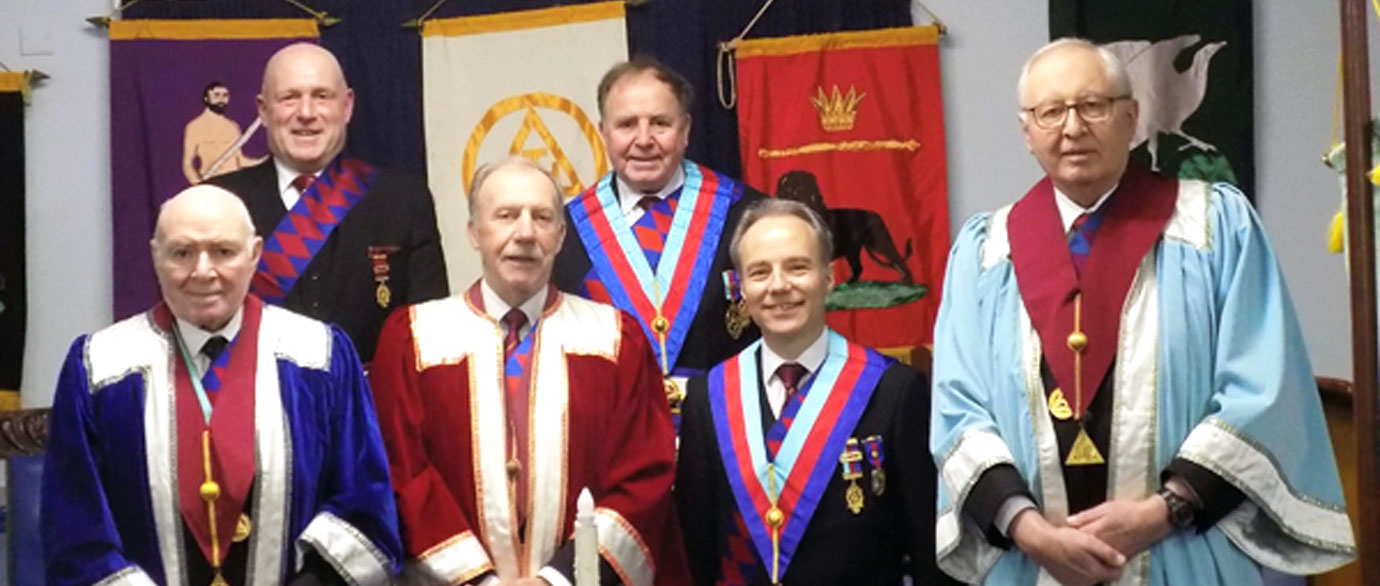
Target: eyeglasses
<point>1091,109</point>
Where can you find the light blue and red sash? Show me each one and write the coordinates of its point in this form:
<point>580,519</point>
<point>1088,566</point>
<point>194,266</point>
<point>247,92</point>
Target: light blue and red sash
<point>231,430</point>
<point>686,256</point>
<point>814,428</point>
<point>305,228</point>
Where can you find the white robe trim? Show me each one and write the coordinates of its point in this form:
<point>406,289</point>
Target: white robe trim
<point>622,546</point>
<point>962,550</point>
<point>1215,445</point>
<point>348,551</point>
<point>454,561</point>
<point>138,345</point>
<point>130,576</point>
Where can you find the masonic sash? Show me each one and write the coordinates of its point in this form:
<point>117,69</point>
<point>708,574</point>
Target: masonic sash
<point>305,228</point>
<point>664,298</point>
<point>223,460</point>
<point>776,497</point>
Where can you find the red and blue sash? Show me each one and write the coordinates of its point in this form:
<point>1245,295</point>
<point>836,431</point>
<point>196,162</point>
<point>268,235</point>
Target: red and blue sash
<point>231,429</point>
<point>686,257</point>
<point>813,429</point>
<point>306,227</point>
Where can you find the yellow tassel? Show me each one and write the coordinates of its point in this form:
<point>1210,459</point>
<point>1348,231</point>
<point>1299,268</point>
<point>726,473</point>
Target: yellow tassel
<point>1336,235</point>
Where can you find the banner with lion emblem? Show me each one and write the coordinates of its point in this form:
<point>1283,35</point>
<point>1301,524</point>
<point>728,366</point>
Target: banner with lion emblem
<point>514,83</point>
<point>852,124</point>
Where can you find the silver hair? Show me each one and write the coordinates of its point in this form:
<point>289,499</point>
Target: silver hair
<point>482,174</point>
<point>772,207</point>
<point>1113,67</point>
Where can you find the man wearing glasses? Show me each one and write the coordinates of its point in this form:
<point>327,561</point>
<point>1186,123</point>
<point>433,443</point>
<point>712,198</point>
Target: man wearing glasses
<point>1120,387</point>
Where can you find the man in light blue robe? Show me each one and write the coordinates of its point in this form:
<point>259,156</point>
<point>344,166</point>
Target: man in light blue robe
<point>1121,392</point>
<point>264,466</point>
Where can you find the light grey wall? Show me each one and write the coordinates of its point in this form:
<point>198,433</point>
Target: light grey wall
<point>67,138</point>
<point>67,147</point>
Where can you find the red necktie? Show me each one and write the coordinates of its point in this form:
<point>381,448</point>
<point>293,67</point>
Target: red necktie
<point>302,182</point>
<point>516,388</point>
<point>790,374</point>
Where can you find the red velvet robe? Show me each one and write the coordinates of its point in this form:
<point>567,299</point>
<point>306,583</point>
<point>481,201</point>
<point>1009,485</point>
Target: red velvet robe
<point>598,419</point>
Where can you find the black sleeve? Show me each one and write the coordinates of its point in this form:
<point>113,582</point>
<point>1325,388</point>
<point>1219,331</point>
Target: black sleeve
<point>697,485</point>
<point>1218,497</point>
<point>426,263</point>
<point>991,491</point>
<point>918,480</point>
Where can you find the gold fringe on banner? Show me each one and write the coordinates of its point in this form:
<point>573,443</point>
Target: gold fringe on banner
<point>320,16</point>
<point>20,81</point>
<point>191,30</point>
<point>525,19</point>
<point>9,400</point>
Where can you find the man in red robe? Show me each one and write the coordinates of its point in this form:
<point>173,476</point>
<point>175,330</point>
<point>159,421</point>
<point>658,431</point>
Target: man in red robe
<point>500,404</point>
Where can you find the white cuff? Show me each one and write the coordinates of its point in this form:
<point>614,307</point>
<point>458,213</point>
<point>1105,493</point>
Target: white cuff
<point>553,577</point>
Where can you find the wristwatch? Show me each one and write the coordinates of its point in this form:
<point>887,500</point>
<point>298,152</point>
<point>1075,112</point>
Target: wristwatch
<point>1181,512</point>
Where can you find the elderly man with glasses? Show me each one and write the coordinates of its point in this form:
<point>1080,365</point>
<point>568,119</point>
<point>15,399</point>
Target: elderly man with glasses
<point>1121,391</point>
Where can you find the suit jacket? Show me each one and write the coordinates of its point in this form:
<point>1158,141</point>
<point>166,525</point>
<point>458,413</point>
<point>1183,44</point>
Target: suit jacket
<point>891,536</point>
<point>708,341</point>
<point>339,285</point>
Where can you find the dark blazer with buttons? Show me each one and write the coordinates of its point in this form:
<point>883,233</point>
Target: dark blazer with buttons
<point>339,285</point>
<point>892,535</point>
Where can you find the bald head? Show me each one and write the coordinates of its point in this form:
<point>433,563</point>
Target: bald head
<point>305,106</point>
<point>205,252</point>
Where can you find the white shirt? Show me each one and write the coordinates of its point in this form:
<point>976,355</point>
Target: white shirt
<point>195,337</point>
<point>1069,210</point>
<point>629,197</point>
<point>286,175</point>
<point>497,308</point>
<point>812,359</point>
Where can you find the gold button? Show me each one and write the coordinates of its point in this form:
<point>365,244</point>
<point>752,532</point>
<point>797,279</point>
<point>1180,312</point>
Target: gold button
<point>661,325</point>
<point>1078,341</point>
<point>775,517</point>
<point>210,491</point>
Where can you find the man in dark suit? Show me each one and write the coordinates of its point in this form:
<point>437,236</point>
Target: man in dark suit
<point>802,458</point>
<point>344,242</point>
<point>649,237</point>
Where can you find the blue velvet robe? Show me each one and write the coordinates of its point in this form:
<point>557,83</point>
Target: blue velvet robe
<point>110,512</point>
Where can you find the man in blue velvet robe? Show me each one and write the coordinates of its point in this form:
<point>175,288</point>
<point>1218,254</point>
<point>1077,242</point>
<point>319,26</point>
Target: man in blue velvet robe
<point>215,439</point>
<point>1121,392</point>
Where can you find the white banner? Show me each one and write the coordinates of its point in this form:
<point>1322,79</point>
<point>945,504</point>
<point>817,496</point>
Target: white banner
<point>513,83</point>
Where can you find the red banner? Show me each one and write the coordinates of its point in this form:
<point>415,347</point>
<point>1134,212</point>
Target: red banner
<point>852,124</point>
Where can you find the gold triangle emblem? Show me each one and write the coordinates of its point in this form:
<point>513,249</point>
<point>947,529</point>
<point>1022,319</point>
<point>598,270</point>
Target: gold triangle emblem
<point>1084,453</point>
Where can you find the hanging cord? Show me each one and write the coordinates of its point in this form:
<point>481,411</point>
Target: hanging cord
<point>726,51</point>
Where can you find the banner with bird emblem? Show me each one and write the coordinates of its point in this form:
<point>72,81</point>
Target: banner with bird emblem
<point>852,125</point>
<point>1190,65</point>
<point>14,86</point>
<point>513,83</point>
<point>182,109</point>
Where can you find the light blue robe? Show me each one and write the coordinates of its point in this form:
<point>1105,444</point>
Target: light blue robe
<point>109,510</point>
<point>1210,367</point>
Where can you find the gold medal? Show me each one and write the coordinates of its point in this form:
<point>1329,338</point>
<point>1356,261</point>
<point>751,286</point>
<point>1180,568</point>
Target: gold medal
<point>219,580</point>
<point>736,319</point>
<point>1059,406</point>
<point>674,395</point>
<point>383,295</point>
<point>242,529</point>
<point>854,496</point>
<point>878,482</point>
<point>1083,452</point>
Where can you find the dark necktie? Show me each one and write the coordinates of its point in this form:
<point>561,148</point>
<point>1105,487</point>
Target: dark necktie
<point>790,374</point>
<point>302,182</point>
<point>214,346</point>
<point>512,323</point>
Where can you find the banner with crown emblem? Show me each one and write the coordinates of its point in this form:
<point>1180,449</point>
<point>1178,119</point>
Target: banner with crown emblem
<point>513,83</point>
<point>181,110</point>
<point>852,125</point>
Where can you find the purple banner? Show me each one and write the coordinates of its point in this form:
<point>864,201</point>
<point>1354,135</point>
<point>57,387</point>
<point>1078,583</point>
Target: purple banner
<point>176,108</point>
